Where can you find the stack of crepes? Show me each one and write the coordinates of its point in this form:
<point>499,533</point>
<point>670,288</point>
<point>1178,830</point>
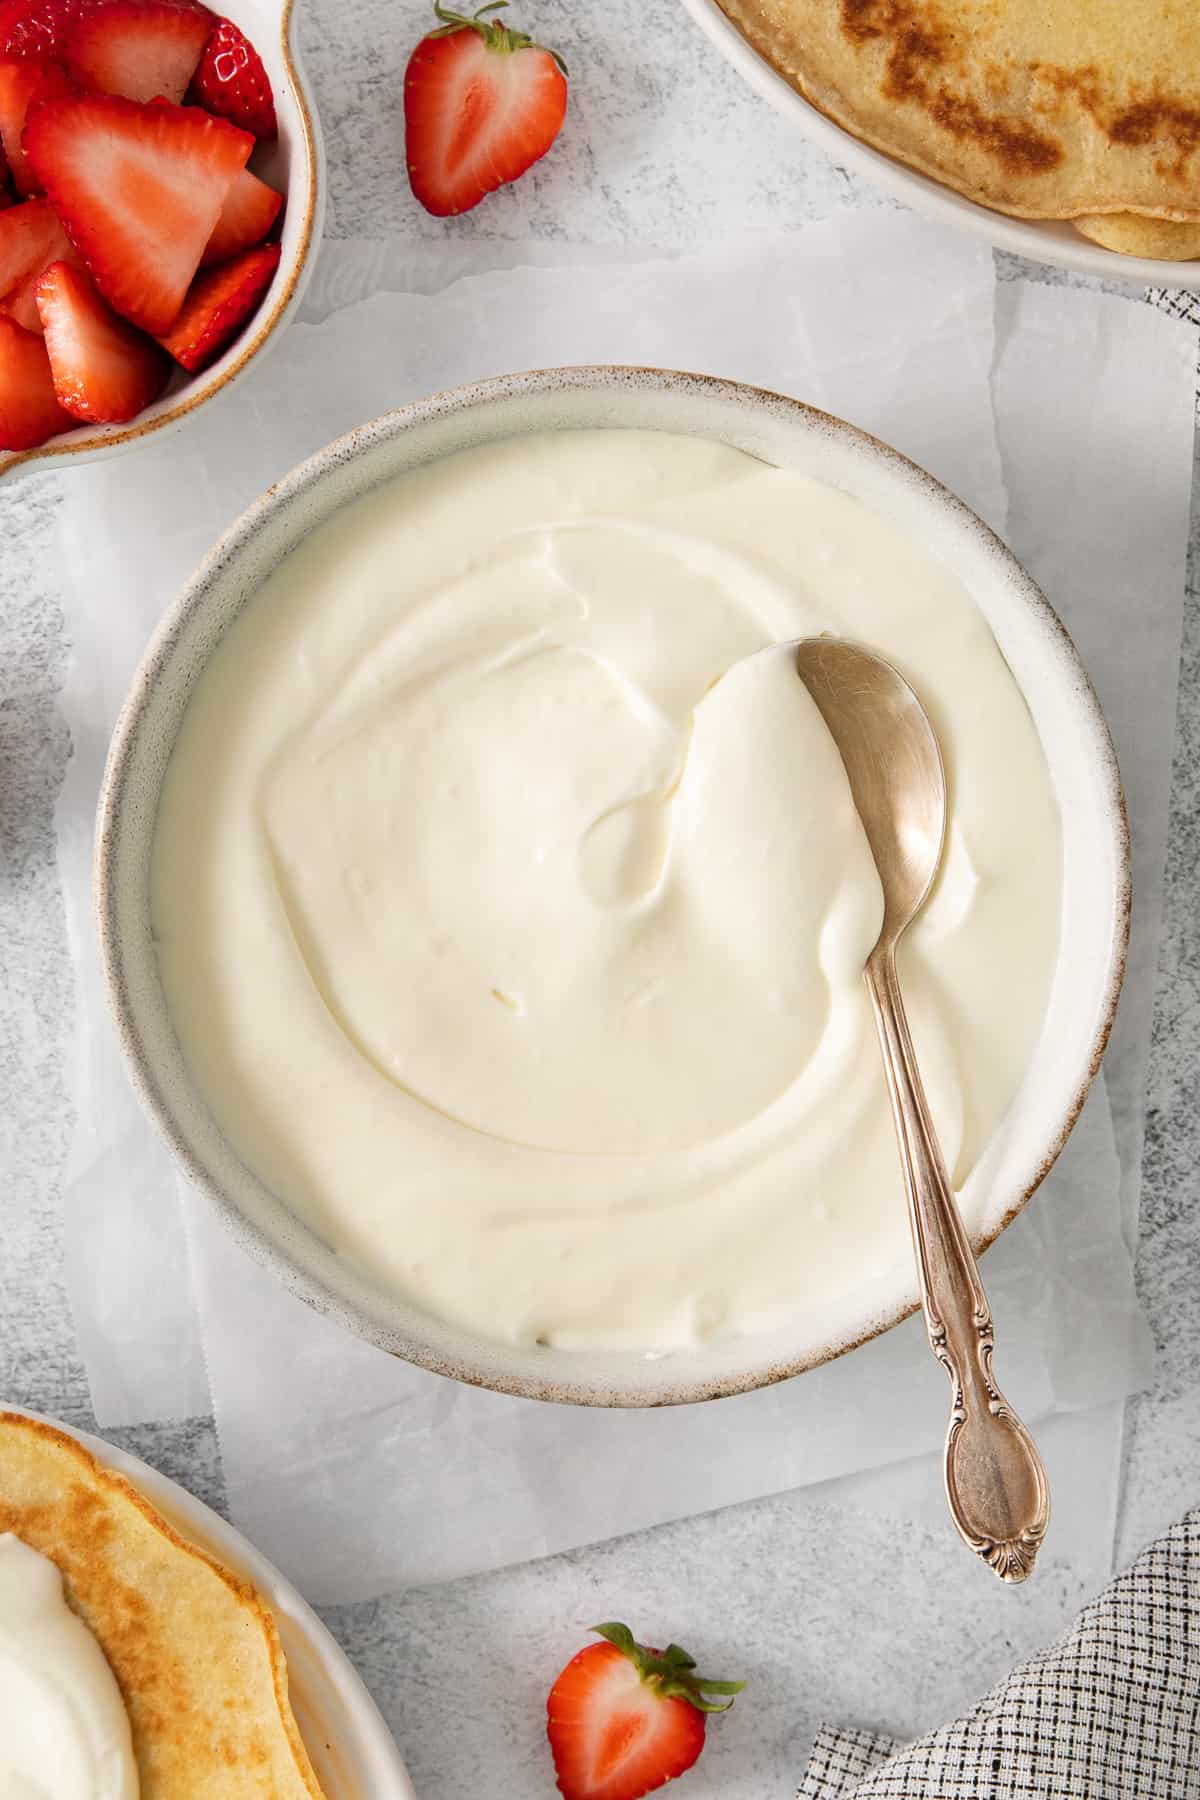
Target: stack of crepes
<point>1085,110</point>
<point>194,1648</point>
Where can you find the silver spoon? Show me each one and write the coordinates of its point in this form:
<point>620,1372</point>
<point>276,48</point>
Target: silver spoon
<point>995,1481</point>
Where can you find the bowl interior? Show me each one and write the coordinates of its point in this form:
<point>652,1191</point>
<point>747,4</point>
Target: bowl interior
<point>293,164</point>
<point>1041,240</point>
<point>780,431</point>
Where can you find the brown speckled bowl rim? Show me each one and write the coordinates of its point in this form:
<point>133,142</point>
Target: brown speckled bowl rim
<point>416,1344</point>
<point>88,444</point>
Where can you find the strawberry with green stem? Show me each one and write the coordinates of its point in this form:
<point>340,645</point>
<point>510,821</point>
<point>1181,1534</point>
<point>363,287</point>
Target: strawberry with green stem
<point>482,103</point>
<point>623,1719</point>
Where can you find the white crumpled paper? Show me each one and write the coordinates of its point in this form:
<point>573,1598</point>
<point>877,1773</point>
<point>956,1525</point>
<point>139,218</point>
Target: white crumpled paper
<point>357,1473</point>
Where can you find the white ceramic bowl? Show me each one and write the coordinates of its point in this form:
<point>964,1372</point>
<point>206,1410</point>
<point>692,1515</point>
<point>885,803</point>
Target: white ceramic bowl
<point>348,1743</point>
<point>295,164</point>
<point>1042,240</point>
<point>780,431</point>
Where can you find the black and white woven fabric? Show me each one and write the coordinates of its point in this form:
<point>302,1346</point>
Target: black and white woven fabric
<point>1110,1712</point>
<point>1176,302</point>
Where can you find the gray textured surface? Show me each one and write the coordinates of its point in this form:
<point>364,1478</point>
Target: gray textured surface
<point>831,1612</point>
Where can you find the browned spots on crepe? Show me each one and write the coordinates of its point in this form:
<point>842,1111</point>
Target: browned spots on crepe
<point>1041,108</point>
<point>194,1648</point>
<point>920,52</point>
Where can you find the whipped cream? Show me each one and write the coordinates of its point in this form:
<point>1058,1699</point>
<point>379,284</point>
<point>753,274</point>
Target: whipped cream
<point>64,1733</point>
<point>512,911</point>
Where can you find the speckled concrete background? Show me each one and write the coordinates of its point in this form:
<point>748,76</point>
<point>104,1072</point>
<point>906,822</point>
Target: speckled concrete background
<point>831,1611</point>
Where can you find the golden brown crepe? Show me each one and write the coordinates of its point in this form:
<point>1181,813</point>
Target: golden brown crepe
<point>194,1648</point>
<point>1130,234</point>
<point>1047,109</point>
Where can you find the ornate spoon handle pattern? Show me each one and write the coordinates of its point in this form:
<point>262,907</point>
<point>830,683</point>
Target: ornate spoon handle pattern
<point>995,1482</point>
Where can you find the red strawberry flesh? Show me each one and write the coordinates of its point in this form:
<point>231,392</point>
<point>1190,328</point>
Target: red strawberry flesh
<point>219,304</point>
<point>250,210</point>
<point>104,371</point>
<point>137,48</point>
<point>22,86</point>
<point>31,238</point>
<point>37,29</point>
<point>29,409</point>
<point>139,190</point>
<point>233,83</point>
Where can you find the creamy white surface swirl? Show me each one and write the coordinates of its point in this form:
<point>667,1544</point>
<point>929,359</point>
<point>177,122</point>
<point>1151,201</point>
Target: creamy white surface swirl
<point>512,912</point>
<point>64,1732</point>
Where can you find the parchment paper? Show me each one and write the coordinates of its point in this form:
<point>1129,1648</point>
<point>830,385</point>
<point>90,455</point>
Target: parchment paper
<point>357,1473</point>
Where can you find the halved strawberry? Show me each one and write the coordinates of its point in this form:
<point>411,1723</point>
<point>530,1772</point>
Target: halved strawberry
<point>139,189</point>
<point>29,409</point>
<point>250,210</point>
<point>481,103</point>
<point>232,82</point>
<point>104,371</point>
<point>23,85</point>
<point>137,48</point>
<point>218,305</point>
<point>623,1720</point>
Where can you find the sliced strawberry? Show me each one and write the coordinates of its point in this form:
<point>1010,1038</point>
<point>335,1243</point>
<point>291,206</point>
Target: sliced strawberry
<point>232,82</point>
<point>250,210</point>
<point>29,409</point>
<point>218,305</point>
<point>38,28</point>
<point>104,371</point>
<point>137,48</point>
<point>21,303</point>
<point>623,1720</point>
<point>23,85</point>
<point>30,239</point>
<point>481,103</point>
<point>140,190</point>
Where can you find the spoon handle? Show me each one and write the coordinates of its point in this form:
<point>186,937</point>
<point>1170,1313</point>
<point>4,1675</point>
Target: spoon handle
<point>995,1482</point>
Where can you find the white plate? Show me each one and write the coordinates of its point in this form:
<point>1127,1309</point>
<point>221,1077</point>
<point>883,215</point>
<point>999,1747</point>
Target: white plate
<point>350,1747</point>
<point>1043,240</point>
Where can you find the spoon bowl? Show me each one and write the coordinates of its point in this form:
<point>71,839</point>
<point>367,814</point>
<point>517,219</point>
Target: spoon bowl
<point>889,748</point>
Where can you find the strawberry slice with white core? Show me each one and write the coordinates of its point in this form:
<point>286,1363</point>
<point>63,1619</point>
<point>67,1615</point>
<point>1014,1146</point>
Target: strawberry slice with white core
<point>104,371</point>
<point>623,1720</point>
<point>31,238</point>
<point>23,85</point>
<point>29,409</point>
<point>137,48</point>
<point>140,190</point>
<point>250,210</point>
<point>482,102</point>
<point>219,304</point>
<point>21,304</point>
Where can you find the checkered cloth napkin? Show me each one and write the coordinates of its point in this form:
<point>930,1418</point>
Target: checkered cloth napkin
<point>1110,1712</point>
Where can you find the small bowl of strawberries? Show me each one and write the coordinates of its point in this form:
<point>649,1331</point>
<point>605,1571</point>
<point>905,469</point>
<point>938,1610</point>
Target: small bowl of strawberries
<point>161,193</point>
